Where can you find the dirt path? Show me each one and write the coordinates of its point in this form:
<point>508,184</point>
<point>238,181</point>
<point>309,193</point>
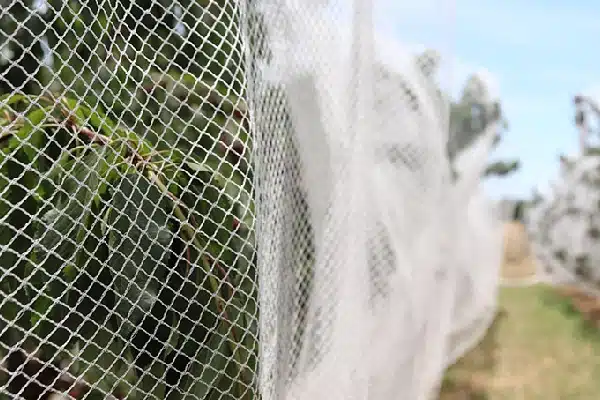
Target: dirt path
<point>518,262</point>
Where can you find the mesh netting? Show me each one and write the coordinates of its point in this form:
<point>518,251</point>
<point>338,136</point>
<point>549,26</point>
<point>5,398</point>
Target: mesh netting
<point>564,224</point>
<point>235,200</point>
<point>565,228</point>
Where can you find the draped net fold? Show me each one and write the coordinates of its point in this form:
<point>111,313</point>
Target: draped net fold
<point>403,257</point>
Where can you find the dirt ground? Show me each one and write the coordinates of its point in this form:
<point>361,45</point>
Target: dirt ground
<point>518,260</point>
<point>544,345</point>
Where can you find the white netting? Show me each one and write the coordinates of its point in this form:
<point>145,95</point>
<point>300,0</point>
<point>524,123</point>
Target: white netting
<point>564,225</point>
<point>228,199</point>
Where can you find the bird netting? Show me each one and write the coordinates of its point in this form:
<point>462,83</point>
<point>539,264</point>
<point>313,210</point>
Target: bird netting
<point>565,226</point>
<point>225,199</point>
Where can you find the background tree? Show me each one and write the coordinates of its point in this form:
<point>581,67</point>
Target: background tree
<point>470,114</point>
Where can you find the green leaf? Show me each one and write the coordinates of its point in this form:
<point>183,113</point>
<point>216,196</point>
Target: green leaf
<point>209,368</point>
<point>152,382</point>
<point>13,298</point>
<point>139,239</point>
<point>62,245</point>
<point>98,119</point>
<point>31,136</point>
<point>242,323</point>
<point>56,231</point>
<point>214,214</point>
<point>10,99</point>
<point>502,168</point>
<point>42,305</point>
<point>64,227</point>
<point>73,105</point>
<point>217,202</point>
<point>231,180</point>
<point>50,311</point>
<point>104,361</point>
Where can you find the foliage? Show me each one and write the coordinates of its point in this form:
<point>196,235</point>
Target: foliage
<point>470,116</point>
<point>160,68</point>
<point>128,217</point>
<point>134,255</point>
<point>502,168</point>
<point>591,151</point>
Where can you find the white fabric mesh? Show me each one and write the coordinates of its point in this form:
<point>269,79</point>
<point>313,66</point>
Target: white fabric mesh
<point>564,225</point>
<point>229,199</point>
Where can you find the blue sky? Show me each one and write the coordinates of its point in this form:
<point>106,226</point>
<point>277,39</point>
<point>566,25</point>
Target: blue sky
<point>541,52</point>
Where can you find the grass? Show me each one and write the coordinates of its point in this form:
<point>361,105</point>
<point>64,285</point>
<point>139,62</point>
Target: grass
<point>540,349</point>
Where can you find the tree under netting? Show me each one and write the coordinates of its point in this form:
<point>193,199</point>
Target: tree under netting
<point>564,226</point>
<point>228,199</point>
